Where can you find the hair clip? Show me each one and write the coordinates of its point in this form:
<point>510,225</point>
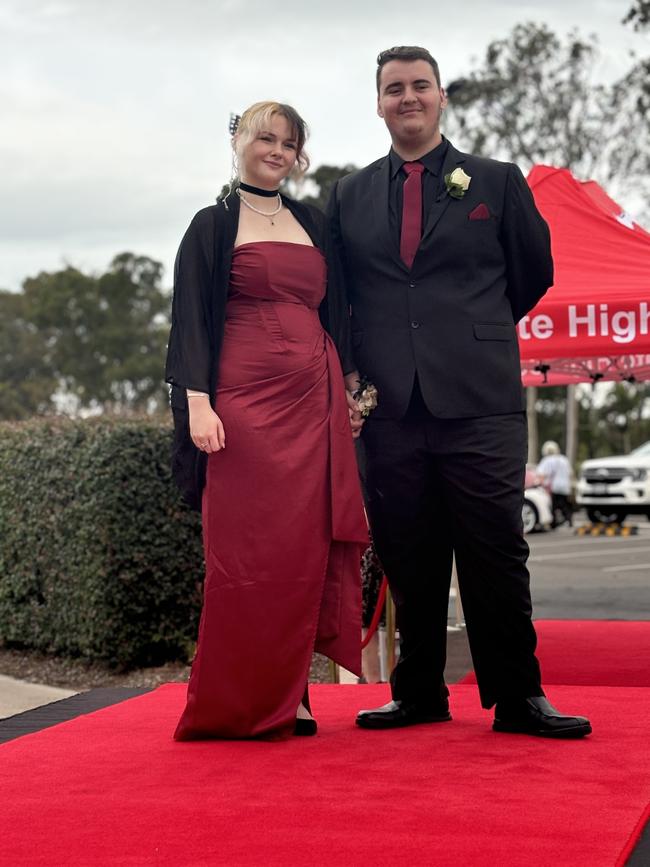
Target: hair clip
<point>234,122</point>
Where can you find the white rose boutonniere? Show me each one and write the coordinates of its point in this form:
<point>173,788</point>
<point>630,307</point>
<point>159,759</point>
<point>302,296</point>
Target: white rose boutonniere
<point>457,183</point>
<point>366,397</point>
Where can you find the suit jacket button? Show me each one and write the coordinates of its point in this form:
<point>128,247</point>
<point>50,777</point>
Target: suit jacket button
<point>415,324</point>
<point>411,285</point>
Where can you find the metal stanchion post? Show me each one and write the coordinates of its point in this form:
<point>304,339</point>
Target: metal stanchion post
<point>381,647</point>
<point>334,672</point>
<point>390,633</point>
<point>460,617</point>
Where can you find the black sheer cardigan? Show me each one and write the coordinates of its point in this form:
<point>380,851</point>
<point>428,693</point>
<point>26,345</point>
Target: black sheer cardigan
<point>201,277</point>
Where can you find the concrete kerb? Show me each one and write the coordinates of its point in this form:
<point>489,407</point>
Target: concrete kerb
<point>17,696</point>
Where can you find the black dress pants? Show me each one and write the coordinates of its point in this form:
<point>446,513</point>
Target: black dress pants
<point>439,487</point>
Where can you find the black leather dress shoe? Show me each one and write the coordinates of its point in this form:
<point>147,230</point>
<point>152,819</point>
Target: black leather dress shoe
<point>537,716</point>
<point>396,714</point>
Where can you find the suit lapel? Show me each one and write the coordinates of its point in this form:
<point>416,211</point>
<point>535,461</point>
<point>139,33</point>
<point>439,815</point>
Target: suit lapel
<point>381,207</point>
<point>441,203</point>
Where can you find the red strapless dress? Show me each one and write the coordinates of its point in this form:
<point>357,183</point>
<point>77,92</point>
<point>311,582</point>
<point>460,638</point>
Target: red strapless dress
<point>283,521</point>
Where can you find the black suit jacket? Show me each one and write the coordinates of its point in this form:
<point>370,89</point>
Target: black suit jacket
<point>201,280</point>
<point>451,317</point>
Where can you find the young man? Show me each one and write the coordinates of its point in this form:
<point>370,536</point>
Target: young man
<point>442,253</point>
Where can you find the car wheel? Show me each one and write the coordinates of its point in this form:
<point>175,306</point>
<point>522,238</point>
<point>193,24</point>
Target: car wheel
<point>529,516</point>
<point>606,516</point>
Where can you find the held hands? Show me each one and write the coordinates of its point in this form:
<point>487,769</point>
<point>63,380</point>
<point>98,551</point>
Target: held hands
<point>356,420</point>
<point>208,434</point>
<point>206,428</point>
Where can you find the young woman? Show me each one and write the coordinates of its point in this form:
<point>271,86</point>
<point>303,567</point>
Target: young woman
<point>263,443</point>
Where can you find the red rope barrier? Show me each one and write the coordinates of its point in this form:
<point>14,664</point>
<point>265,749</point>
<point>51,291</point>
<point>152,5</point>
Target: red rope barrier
<point>376,617</point>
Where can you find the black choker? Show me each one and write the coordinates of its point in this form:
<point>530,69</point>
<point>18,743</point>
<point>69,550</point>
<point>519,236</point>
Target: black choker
<point>257,191</point>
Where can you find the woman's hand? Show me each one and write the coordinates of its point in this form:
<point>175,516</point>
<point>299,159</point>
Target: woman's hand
<point>206,428</point>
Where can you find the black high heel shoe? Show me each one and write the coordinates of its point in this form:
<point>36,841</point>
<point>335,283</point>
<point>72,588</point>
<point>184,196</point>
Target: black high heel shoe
<point>305,727</point>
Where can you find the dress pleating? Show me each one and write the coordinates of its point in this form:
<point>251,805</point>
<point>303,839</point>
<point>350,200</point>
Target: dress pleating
<point>283,521</point>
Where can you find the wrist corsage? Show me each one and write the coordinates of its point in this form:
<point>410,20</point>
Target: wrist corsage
<point>366,396</point>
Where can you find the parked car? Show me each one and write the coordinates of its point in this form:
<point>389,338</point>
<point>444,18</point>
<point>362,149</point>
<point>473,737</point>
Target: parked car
<point>610,489</point>
<point>537,512</point>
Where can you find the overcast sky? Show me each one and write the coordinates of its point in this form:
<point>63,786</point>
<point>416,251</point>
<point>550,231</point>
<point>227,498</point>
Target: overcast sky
<point>114,113</point>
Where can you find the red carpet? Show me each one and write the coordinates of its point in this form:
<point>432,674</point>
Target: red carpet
<point>112,788</point>
<point>593,652</point>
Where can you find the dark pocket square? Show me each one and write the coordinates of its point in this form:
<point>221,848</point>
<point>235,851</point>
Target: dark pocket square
<point>480,212</point>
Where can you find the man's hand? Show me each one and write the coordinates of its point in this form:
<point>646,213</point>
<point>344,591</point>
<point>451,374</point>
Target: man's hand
<point>352,382</point>
<point>356,419</point>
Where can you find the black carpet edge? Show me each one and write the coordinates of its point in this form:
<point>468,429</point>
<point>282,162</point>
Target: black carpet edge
<point>39,718</point>
<point>640,856</point>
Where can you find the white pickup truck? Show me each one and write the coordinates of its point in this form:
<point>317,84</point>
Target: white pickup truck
<point>610,489</point>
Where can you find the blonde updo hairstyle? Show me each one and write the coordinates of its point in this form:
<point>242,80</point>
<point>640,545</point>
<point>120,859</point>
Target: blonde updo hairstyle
<point>257,117</point>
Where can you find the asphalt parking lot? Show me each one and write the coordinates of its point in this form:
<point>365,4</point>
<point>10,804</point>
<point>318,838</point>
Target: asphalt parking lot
<point>591,578</point>
<point>575,578</point>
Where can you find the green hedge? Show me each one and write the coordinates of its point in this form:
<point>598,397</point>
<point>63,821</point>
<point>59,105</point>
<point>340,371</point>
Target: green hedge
<point>99,558</point>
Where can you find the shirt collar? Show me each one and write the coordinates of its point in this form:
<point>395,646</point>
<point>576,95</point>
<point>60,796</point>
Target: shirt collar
<point>432,161</point>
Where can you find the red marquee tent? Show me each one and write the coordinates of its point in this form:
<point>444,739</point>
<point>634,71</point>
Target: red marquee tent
<point>594,322</point>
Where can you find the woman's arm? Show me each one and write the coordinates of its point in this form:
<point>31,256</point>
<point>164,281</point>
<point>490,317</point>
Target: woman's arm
<point>189,352</point>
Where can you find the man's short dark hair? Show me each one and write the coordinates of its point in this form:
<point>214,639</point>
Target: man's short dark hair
<point>408,53</point>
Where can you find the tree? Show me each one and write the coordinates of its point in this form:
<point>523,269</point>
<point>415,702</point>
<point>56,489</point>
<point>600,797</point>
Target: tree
<point>534,100</point>
<point>638,14</point>
<point>105,335</point>
<point>26,379</point>
<point>324,178</point>
<point>621,420</point>
<point>634,88</point>
<point>550,409</point>
<point>135,327</point>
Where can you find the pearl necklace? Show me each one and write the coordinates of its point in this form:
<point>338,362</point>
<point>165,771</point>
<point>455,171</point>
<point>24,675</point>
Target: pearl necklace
<point>269,214</point>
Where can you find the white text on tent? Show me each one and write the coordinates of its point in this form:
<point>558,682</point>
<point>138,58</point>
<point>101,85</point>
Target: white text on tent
<point>591,320</point>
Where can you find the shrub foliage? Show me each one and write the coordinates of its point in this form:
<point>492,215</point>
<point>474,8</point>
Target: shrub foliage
<point>99,558</point>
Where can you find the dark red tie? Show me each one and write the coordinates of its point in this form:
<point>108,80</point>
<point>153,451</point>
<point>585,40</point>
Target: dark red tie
<point>411,212</point>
